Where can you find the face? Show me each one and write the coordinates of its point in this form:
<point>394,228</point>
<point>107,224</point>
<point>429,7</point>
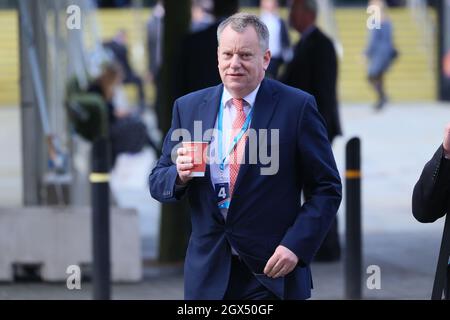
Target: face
<point>242,63</point>
<point>122,37</point>
<point>110,80</point>
<point>269,5</point>
<point>299,18</point>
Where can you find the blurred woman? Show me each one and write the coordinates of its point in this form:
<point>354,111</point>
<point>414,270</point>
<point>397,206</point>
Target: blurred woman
<point>380,52</point>
<point>128,133</point>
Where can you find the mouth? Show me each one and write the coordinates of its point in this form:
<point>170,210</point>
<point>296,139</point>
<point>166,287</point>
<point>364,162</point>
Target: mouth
<point>235,75</point>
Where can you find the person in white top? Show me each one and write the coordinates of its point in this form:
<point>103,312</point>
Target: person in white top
<point>279,43</point>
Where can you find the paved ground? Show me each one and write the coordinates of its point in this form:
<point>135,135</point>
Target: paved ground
<point>396,143</point>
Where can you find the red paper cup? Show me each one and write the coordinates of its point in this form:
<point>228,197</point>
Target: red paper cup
<point>197,151</point>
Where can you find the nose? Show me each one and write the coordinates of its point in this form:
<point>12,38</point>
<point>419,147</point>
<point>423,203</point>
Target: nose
<point>235,62</point>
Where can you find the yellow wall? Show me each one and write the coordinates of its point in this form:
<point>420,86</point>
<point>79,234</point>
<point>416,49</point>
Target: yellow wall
<point>411,78</point>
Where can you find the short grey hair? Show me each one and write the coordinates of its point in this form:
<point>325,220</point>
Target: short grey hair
<point>240,21</point>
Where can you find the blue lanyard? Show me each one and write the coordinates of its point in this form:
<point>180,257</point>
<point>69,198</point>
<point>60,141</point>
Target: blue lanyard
<point>236,138</point>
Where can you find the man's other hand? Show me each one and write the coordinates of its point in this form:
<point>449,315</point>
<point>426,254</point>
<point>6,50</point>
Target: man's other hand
<point>281,263</point>
<point>446,143</point>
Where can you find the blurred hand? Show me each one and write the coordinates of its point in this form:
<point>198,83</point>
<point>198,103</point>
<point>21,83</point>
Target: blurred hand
<point>121,113</point>
<point>282,262</point>
<point>184,163</point>
<point>446,143</point>
<point>149,77</point>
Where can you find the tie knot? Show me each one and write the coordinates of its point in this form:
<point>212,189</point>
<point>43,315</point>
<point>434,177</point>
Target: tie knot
<point>239,104</point>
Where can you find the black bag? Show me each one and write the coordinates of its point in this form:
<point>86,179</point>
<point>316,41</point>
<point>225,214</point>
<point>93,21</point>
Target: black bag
<point>128,135</point>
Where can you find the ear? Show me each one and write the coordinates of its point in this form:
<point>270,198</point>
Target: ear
<point>266,59</point>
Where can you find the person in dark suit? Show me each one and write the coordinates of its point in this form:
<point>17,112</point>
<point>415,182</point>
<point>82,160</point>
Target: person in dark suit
<point>314,69</point>
<point>431,195</point>
<point>252,238</point>
<point>197,59</point>
<point>119,50</point>
<point>155,33</point>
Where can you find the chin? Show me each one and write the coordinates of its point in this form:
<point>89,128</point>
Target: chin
<point>235,86</point>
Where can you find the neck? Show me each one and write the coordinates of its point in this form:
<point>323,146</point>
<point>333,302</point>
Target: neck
<point>269,12</point>
<point>308,26</point>
<point>240,94</point>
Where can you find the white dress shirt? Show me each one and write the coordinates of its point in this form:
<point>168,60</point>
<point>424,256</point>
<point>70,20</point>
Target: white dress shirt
<point>229,113</point>
<point>273,23</point>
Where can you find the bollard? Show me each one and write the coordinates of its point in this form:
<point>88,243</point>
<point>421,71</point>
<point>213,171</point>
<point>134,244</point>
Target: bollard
<point>353,253</point>
<point>99,178</point>
<point>442,277</point>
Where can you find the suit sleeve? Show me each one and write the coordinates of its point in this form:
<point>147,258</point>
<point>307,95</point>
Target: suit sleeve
<point>163,176</point>
<point>431,195</point>
<point>321,179</point>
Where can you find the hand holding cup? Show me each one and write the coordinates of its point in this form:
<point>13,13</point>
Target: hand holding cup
<point>184,165</point>
<point>191,161</point>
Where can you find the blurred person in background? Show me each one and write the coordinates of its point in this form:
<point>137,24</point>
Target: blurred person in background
<point>201,14</point>
<point>314,69</point>
<point>197,58</point>
<point>128,134</point>
<point>279,42</point>
<point>431,196</point>
<point>118,47</point>
<point>155,32</point>
<point>380,53</point>
<point>155,36</point>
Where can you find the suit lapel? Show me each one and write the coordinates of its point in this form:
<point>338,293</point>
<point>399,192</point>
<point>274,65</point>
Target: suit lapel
<point>207,111</point>
<point>207,114</point>
<point>264,107</point>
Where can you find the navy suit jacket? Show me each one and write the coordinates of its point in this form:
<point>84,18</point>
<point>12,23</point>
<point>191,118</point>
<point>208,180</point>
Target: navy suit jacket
<point>265,210</point>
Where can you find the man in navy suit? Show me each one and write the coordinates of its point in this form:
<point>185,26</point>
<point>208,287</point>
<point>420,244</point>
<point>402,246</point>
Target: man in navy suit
<point>252,238</point>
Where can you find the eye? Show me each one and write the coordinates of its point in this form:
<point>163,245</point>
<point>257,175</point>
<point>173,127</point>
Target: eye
<point>227,54</point>
<point>246,55</point>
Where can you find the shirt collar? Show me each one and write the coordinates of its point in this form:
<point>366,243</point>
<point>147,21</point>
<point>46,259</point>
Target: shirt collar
<point>308,31</point>
<point>249,99</point>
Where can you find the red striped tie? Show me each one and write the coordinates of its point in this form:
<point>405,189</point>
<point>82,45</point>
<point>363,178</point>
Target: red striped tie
<point>238,151</point>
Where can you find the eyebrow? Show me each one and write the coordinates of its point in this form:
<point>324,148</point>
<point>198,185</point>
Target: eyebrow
<point>240,51</point>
